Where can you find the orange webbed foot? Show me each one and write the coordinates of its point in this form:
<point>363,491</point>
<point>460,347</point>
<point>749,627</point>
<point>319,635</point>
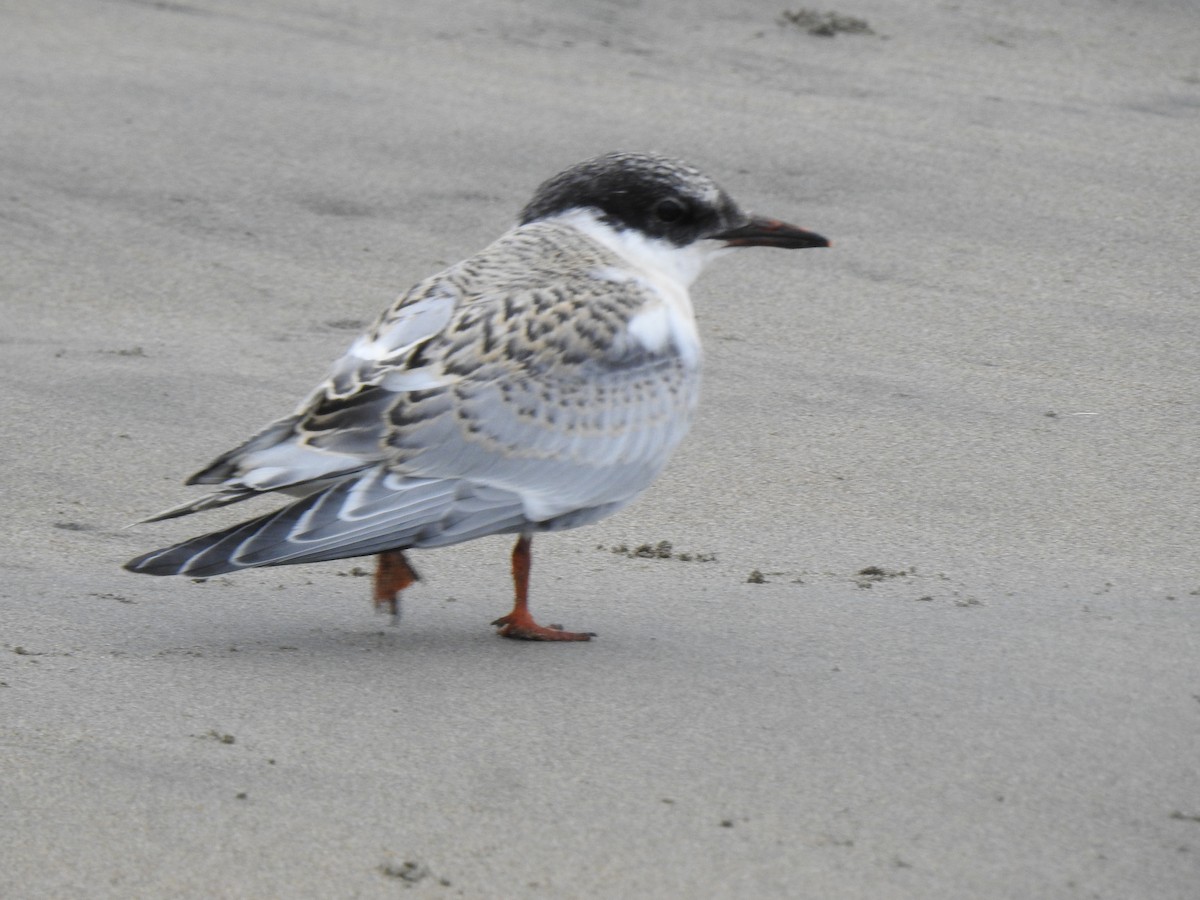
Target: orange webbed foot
<point>392,575</point>
<point>519,623</point>
<point>525,629</point>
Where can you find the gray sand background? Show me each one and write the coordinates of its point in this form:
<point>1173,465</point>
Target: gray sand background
<point>988,390</point>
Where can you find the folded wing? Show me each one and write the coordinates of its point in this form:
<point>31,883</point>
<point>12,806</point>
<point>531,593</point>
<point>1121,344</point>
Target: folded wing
<point>478,404</point>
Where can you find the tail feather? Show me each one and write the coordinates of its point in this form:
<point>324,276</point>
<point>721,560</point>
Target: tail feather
<point>371,514</point>
<point>227,465</point>
<point>209,501</point>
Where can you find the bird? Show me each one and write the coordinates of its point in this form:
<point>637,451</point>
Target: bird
<point>539,385</point>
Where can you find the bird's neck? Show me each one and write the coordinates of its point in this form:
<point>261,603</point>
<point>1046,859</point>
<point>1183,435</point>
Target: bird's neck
<point>680,265</point>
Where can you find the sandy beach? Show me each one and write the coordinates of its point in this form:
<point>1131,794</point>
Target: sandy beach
<point>914,612</point>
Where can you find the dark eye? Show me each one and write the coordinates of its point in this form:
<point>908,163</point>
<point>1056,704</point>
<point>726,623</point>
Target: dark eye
<point>669,210</point>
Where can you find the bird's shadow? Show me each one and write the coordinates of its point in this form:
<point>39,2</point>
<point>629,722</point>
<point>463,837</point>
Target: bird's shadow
<point>383,641</point>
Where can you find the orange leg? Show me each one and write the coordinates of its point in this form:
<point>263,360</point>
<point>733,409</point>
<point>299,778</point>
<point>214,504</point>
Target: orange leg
<point>519,623</point>
<point>392,575</point>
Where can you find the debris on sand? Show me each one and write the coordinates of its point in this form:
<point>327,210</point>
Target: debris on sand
<point>661,550</point>
<point>825,24</point>
<point>871,575</point>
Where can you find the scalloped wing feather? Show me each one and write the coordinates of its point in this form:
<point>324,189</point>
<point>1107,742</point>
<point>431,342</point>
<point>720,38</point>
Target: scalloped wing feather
<point>516,370</point>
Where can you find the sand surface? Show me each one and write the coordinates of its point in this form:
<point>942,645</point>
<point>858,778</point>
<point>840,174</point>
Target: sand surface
<point>988,391</point>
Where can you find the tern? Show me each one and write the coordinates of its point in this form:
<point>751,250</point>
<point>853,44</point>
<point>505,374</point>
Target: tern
<point>539,385</point>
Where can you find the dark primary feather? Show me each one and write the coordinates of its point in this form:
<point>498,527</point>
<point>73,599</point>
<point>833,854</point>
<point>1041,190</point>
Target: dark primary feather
<point>367,515</point>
